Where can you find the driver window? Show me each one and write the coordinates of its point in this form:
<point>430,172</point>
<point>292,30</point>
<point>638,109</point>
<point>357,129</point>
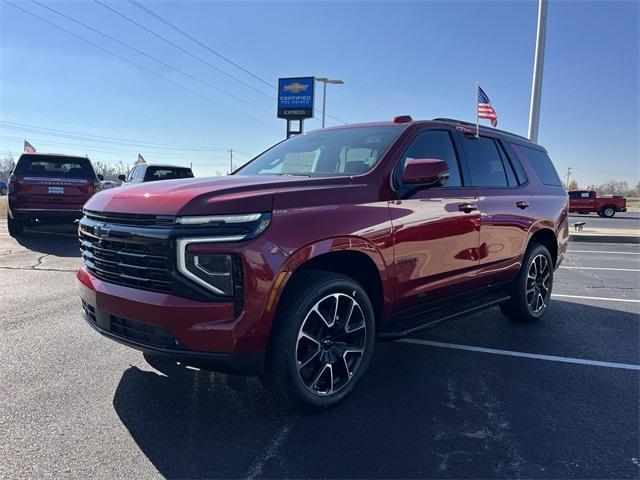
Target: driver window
<point>436,144</point>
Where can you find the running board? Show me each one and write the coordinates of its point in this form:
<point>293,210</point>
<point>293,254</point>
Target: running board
<point>433,313</point>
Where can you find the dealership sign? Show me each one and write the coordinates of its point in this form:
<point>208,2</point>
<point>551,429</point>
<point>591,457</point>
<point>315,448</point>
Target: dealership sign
<point>295,98</point>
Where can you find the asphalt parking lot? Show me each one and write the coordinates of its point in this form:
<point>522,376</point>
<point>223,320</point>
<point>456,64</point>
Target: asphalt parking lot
<point>621,220</point>
<point>480,397</point>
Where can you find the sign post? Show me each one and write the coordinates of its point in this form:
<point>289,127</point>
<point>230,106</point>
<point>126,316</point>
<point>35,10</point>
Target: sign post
<point>296,101</point>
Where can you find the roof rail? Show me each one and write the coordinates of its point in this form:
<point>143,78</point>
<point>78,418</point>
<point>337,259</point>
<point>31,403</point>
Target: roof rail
<point>462,122</point>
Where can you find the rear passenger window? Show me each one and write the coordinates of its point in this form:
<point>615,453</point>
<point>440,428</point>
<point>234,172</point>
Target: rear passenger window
<point>435,144</point>
<point>488,164</point>
<point>541,164</point>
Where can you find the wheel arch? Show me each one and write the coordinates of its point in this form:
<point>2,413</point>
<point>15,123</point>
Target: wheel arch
<point>354,257</point>
<point>547,237</point>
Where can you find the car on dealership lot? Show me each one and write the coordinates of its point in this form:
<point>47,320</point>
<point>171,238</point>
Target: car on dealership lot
<point>3,188</point>
<point>291,267</point>
<point>49,188</point>
<point>587,201</point>
<point>145,172</point>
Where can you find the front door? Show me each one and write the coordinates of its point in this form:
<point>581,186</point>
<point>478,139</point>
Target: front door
<point>436,230</point>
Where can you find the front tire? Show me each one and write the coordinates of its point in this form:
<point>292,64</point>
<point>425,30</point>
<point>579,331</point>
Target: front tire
<point>531,290</point>
<point>15,227</point>
<point>322,341</point>
<point>608,212</point>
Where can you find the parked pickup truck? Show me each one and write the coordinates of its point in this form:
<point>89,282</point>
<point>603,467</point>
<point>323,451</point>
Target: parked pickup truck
<point>293,266</point>
<point>586,201</point>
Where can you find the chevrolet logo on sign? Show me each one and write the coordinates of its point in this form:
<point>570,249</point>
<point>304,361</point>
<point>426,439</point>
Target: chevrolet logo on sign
<point>295,87</point>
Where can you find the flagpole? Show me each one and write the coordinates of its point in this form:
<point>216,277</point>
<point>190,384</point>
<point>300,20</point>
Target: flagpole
<point>476,103</point>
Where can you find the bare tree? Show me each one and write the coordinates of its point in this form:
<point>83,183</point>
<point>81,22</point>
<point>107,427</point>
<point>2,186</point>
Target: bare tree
<point>613,187</point>
<point>7,164</point>
<point>573,185</point>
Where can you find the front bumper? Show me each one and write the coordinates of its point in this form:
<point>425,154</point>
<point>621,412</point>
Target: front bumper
<point>200,334</point>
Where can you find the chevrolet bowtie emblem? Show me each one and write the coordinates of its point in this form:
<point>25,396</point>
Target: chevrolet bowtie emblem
<point>295,87</point>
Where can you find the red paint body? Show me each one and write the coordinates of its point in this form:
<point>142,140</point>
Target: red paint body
<point>423,246</point>
<point>585,201</point>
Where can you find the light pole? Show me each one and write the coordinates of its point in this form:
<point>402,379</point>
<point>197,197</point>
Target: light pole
<point>536,87</point>
<point>326,80</point>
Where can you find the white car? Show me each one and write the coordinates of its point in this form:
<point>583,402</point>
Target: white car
<point>106,184</point>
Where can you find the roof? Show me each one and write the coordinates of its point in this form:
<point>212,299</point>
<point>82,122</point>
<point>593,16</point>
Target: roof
<point>447,121</point>
<point>43,154</point>
<point>162,165</point>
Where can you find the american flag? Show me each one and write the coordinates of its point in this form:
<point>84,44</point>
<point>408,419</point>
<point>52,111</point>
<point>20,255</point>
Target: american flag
<point>28,148</point>
<point>485,110</point>
<point>140,159</point>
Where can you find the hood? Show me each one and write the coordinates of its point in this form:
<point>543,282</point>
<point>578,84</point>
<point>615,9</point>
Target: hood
<point>210,196</point>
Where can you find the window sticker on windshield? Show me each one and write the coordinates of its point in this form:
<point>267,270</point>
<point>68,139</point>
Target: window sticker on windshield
<point>373,139</point>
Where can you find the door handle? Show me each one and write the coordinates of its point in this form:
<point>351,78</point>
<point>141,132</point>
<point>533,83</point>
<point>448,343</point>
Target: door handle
<point>467,207</point>
<point>522,205</point>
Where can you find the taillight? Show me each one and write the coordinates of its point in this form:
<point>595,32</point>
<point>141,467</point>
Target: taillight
<point>13,184</point>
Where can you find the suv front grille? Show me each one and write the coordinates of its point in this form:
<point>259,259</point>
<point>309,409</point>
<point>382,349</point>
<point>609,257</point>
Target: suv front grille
<point>139,265</point>
<point>135,219</point>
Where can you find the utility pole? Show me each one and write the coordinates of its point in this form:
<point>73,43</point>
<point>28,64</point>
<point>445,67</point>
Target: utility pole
<point>230,161</point>
<point>568,175</point>
<point>326,80</point>
<point>536,87</point>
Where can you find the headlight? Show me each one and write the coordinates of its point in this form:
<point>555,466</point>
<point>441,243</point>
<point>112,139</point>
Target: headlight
<point>209,219</point>
<point>213,271</point>
<point>245,225</point>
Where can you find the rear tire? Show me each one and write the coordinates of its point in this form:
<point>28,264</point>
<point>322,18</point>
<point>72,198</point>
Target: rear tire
<point>15,227</point>
<point>322,341</point>
<point>608,212</point>
<point>531,289</point>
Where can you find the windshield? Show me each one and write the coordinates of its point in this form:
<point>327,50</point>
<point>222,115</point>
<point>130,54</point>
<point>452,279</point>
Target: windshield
<point>54,166</point>
<point>166,173</point>
<point>326,153</point>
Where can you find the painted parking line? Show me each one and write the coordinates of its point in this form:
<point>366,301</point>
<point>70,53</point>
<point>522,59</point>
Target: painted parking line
<point>511,353</point>
<point>602,268</point>
<point>606,299</point>
<point>604,251</point>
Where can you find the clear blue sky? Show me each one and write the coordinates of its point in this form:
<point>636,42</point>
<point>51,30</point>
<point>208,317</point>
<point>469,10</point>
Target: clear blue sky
<point>421,58</point>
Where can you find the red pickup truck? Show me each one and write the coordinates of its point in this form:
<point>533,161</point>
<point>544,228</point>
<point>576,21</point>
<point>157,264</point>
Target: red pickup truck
<point>585,201</point>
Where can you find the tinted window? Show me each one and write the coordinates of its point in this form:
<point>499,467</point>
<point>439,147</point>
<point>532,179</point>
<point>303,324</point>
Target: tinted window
<point>436,144</point>
<point>54,166</point>
<point>345,151</point>
<point>541,164</point>
<point>486,163</point>
<point>166,173</point>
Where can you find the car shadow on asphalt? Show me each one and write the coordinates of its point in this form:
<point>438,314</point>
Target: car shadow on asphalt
<point>420,412</point>
<point>59,240</point>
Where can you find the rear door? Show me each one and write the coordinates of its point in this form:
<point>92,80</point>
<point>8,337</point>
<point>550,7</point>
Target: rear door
<point>53,182</point>
<point>437,230</point>
<point>503,200</point>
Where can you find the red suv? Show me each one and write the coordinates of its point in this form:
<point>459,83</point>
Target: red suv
<point>49,188</point>
<point>293,266</point>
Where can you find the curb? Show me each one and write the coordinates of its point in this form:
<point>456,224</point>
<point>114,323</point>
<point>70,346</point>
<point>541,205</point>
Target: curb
<point>605,238</point>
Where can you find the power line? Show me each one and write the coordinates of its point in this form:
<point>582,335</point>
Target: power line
<point>113,10</point>
<point>25,128</point>
<point>195,40</point>
<point>151,72</point>
<point>203,45</point>
<point>193,77</point>
<point>103,149</point>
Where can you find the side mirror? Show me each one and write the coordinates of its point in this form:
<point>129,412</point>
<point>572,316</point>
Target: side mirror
<point>425,172</point>
<point>122,178</point>
<point>100,177</point>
